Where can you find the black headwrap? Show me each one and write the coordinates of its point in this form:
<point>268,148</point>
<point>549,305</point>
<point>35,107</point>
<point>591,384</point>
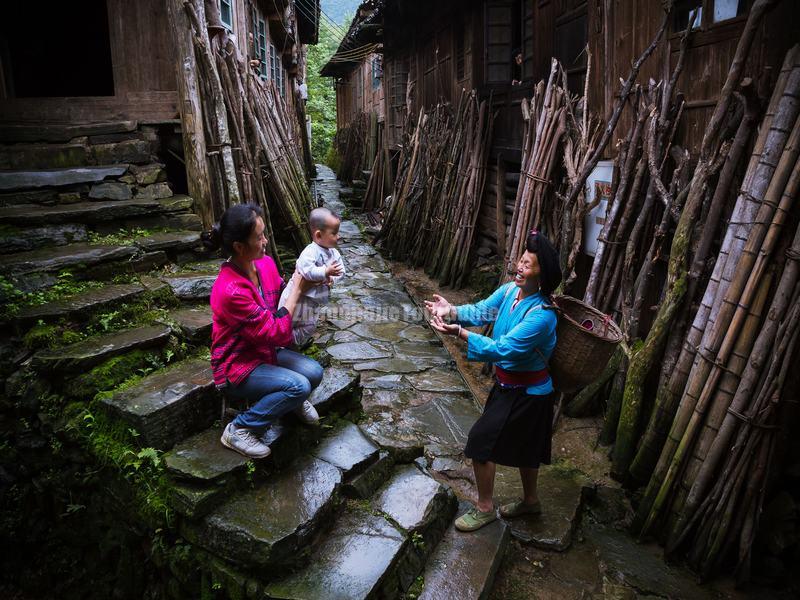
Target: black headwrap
<point>547,255</point>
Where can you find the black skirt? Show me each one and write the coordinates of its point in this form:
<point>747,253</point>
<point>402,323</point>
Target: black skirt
<point>515,429</point>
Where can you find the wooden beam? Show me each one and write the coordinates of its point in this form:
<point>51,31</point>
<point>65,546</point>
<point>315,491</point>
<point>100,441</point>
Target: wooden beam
<point>191,112</point>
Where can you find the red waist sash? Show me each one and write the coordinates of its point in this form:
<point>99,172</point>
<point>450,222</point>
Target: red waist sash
<point>520,377</point>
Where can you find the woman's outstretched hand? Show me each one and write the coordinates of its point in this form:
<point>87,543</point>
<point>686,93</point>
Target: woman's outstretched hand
<point>446,328</point>
<point>439,307</point>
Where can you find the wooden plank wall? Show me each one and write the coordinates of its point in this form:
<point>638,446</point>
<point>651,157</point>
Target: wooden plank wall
<point>619,30</point>
<point>144,75</point>
<point>143,62</point>
<point>355,93</point>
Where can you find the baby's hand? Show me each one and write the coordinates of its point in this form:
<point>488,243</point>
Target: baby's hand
<point>334,270</point>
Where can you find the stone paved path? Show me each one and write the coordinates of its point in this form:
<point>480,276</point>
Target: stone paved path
<point>416,402</point>
<point>413,396</point>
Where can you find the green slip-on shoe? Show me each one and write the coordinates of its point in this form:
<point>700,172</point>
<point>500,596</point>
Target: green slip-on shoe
<point>519,508</point>
<point>474,519</point>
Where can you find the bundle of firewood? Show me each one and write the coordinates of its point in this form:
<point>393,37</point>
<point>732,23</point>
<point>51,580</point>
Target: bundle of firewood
<point>724,394</point>
<point>380,184</point>
<point>439,187</point>
<point>254,143</point>
<point>351,145</point>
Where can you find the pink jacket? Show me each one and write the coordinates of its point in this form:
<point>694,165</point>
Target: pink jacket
<point>247,328</point>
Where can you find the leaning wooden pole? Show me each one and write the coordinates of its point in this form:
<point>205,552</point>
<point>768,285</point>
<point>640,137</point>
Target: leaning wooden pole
<point>196,12</point>
<point>191,112</point>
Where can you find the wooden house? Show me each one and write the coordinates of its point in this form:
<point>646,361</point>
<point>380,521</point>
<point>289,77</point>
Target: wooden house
<point>110,68</point>
<point>432,52</point>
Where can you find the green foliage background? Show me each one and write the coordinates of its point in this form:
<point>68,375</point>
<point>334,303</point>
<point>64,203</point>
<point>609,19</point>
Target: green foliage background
<point>321,105</point>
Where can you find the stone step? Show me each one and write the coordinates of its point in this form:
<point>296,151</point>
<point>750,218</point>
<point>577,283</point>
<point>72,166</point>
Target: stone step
<point>348,449</point>
<point>202,459</point>
<point>562,491</point>
<point>355,561</point>
<point>170,241</point>
<point>15,239</point>
<point>72,256</point>
<point>81,306</point>
<point>271,527</point>
<point>89,353</point>
<point>464,565</point>
<point>80,212</point>
<point>168,406</point>
<point>193,323</point>
<point>28,179</point>
<point>337,386</point>
<point>376,552</point>
<point>61,133</point>
<point>191,286</point>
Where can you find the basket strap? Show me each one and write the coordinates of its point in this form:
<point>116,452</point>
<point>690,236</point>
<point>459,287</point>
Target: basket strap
<point>538,306</point>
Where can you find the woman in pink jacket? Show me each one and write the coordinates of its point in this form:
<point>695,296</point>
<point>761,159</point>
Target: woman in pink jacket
<point>249,334</point>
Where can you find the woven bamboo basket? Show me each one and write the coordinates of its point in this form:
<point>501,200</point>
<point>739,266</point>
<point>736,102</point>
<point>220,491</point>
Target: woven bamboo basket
<point>586,340</point>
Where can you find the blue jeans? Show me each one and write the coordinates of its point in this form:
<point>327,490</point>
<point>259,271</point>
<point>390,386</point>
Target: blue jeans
<point>276,390</point>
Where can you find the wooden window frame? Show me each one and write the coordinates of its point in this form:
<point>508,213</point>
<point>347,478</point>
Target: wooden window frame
<point>377,71</point>
<point>229,3</point>
<point>260,42</point>
<point>707,22</point>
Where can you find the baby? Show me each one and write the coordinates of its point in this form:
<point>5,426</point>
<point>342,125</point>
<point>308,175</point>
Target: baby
<point>319,261</point>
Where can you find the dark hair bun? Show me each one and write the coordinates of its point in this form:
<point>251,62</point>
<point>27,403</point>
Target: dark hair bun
<point>212,239</point>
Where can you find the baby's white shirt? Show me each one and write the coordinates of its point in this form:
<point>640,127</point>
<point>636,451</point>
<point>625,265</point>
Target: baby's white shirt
<point>311,264</point>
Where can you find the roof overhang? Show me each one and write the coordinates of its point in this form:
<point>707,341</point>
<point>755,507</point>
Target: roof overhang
<point>364,37</point>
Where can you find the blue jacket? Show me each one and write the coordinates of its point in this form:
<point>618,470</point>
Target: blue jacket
<point>516,335</point>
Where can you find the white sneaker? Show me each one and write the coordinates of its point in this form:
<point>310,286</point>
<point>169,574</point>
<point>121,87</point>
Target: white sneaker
<point>244,441</point>
<point>307,413</point>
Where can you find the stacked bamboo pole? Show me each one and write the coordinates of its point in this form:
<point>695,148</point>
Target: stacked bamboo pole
<point>351,144</point>
<point>254,145</point>
<point>731,288</point>
<point>439,188</point>
<point>545,125</point>
<point>712,151</point>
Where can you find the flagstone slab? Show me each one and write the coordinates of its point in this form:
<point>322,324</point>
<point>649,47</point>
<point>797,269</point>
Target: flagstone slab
<point>337,384</point>
<point>18,180</point>
<point>62,257</point>
<point>411,498</point>
<point>194,323</point>
<point>80,305</point>
<point>191,286</point>
<point>174,241</point>
<point>348,449</point>
<point>393,365</point>
<point>356,351</point>
<point>353,563</point>
<point>562,492</point>
<point>80,212</point>
<point>269,526</point>
<point>386,331</point>
<point>14,239</point>
<point>364,485</point>
<point>439,380</point>
<point>465,565</point>
<point>625,562</point>
<point>88,353</point>
<point>166,407</point>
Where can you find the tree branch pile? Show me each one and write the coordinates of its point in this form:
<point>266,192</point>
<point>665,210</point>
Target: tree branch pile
<point>439,187</point>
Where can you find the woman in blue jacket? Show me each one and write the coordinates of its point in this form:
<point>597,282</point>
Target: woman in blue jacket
<point>515,428</point>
